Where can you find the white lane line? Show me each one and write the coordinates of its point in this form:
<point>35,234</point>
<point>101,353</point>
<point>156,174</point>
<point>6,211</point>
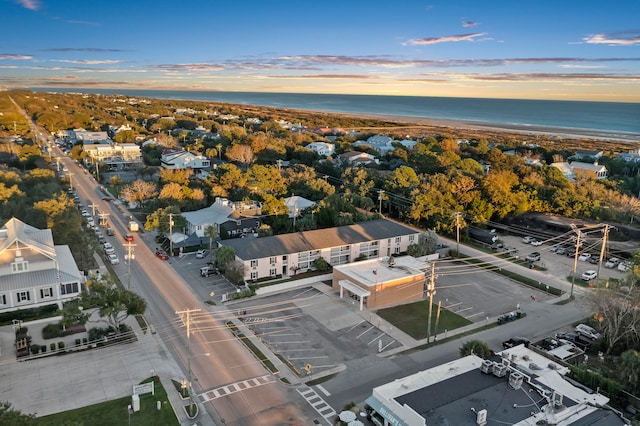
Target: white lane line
<point>323,390</point>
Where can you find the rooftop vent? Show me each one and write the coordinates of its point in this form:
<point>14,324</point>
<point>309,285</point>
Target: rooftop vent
<point>481,417</point>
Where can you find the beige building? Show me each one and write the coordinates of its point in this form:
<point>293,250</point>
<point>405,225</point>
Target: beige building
<point>380,282</point>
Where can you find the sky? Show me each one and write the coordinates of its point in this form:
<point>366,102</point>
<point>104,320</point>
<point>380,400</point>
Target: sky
<point>557,50</point>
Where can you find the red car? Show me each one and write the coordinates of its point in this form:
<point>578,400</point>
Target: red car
<point>161,254</point>
<point>128,238</point>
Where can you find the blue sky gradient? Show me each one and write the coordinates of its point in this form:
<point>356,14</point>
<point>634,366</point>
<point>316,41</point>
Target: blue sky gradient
<point>570,50</point>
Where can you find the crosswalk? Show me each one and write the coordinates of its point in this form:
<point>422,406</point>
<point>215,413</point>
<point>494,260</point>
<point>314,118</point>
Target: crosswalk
<point>236,387</point>
<point>318,404</point>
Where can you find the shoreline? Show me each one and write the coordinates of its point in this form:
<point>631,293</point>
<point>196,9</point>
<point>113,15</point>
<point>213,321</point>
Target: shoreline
<point>533,130</point>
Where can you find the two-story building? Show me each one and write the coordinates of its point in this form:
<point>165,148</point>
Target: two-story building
<point>33,270</point>
<point>575,169</point>
<point>235,218</point>
<point>287,254</point>
<point>115,156</point>
<point>181,160</point>
<point>322,148</point>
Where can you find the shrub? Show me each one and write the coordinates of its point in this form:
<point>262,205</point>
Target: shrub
<point>84,340</point>
<point>96,333</point>
<point>60,345</point>
<point>22,331</point>
<point>53,347</point>
<point>51,331</point>
<point>78,342</point>
<point>43,348</point>
<point>29,314</point>
<point>35,349</point>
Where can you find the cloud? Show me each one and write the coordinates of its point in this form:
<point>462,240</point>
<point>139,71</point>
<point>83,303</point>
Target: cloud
<point>29,4</point>
<point>89,61</point>
<point>624,38</point>
<point>329,76</point>
<point>83,49</point>
<point>444,39</point>
<point>552,76</point>
<point>469,24</point>
<point>189,67</point>
<point>14,57</point>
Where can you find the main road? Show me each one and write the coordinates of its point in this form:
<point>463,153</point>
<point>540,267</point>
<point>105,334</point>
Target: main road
<point>243,392</point>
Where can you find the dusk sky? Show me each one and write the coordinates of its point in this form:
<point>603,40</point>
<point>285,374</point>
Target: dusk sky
<point>571,50</point>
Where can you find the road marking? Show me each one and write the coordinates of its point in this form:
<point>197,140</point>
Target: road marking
<point>235,387</point>
<point>321,406</point>
<point>375,339</point>
<point>324,391</point>
<point>355,326</point>
<point>364,332</point>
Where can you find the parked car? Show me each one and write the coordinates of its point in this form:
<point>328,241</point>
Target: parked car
<point>536,243</point>
<point>532,257</point>
<point>205,271</point>
<point>585,330</point>
<point>612,262</point>
<point>589,275</point>
<point>114,259</point>
<point>624,266</point>
<point>200,254</point>
<point>515,341</point>
<point>561,250</point>
<point>594,260</point>
<point>527,239</point>
<point>584,257</point>
<point>162,254</point>
<point>510,249</point>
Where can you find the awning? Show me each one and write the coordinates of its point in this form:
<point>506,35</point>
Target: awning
<point>384,411</point>
<point>354,289</point>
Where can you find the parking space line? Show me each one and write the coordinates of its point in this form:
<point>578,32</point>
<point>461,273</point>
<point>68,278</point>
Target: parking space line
<point>355,326</point>
<point>474,315</point>
<point>375,339</point>
<point>364,332</point>
<point>465,309</point>
<point>309,357</point>
<point>385,347</point>
<point>296,350</point>
<point>324,391</point>
<point>294,341</point>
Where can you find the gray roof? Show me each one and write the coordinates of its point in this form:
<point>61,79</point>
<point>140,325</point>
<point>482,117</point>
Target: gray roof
<point>277,245</point>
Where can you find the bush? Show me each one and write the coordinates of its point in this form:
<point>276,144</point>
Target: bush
<point>35,349</point>
<point>53,347</point>
<point>31,314</point>
<point>84,340</point>
<point>21,332</point>
<point>43,348</point>
<point>51,331</point>
<point>78,342</point>
<point>60,345</point>
<point>96,333</point>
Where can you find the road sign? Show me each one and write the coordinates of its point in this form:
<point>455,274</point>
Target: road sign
<point>308,368</point>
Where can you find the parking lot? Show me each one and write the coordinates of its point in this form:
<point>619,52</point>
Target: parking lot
<point>188,266</point>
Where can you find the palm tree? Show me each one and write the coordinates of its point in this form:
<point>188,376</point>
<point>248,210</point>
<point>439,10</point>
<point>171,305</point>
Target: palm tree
<point>211,232</point>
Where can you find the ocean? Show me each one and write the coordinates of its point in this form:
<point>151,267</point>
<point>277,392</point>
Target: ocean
<point>614,120</point>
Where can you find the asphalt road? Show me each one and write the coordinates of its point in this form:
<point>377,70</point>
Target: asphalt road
<point>218,358</point>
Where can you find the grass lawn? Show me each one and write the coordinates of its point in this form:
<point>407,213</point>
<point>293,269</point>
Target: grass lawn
<point>412,319</point>
<point>115,412</point>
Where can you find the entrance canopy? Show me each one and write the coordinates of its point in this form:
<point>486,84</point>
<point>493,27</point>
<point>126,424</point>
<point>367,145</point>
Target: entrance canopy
<point>354,289</point>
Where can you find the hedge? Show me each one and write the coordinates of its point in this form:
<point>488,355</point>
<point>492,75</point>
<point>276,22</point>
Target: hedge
<point>30,314</point>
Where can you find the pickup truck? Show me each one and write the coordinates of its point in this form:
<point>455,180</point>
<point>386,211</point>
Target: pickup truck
<point>515,341</point>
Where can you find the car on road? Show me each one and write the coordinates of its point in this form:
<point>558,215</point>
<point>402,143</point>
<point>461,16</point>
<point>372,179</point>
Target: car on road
<point>162,254</point>
<point>587,331</point>
<point>584,257</point>
<point>114,259</point>
<point>515,341</point>
<point>536,243</point>
<point>128,238</point>
<point>200,254</point>
<point>108,249</point>
<point>533,257</point>
<point>510,249</point>
<point>110,232</point>
<point>612,262</point>
<point>589,275</point>
<point>527,239</point>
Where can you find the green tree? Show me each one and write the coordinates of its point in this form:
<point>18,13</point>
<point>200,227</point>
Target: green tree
<point>114,304</point>
<point>211,232</point>
<point>630,369</point>
<point>160,220</point>
<point>475,347</point>
<point>12,417</point>
<point>225,256</point>
<point>72,314</point>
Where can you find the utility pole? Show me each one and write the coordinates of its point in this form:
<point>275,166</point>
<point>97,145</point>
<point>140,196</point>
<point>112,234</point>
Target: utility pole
<point>70,181</point>
<point>171,234</point>
<point>431,291</point>
<point>130,257</point>
<point>103,219</point>
<point>604,245</point>
<point>380,192</point>
<point>575,263</point>
<point>457,234</point>
<point>188,312</point>
<point>93,208</point>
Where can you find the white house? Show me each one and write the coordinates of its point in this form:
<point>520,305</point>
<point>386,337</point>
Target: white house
<point>384,144</point>
<point>180,160</point>
<point>356,158</point>
<point>86,137</point>
<point>236,218</point>
<point>286,254</point>
<point>33,270</point>
<point>296,205</point>
<point>118,156</point>
<point>576,168</point>
<point>322,148</point>
<point>631,156</point>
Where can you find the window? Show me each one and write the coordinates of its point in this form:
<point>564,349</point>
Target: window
<point>412,238</point>
<point>272,260</point>
<point>69,288</point>
<point>340,255</point>
<point>46,292</point>
<point>398,239</point>
<point>306,258</point>
<point>273,272</point>
<point>3,299</point>
<point>21,266</point>
<point>254,263</point>
<point>23,296</point>
<point>254,275</point>
<point>284,260</point>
